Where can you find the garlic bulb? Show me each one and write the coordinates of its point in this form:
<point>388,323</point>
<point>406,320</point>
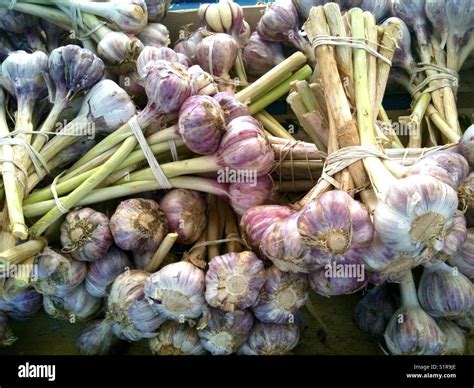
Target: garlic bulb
<point>157,9</point>
<point>6,335</point>
<point>456,340</point>
<point>189,45</point>
<point>411,331</point>
<point>176,291</point>
<point>260,56</point>
<point>466,193</point>
<point>130,313</point>
<point>373,312</point>
<point>467,323</point>
<point>268,339</point>
<point>258,219</point>
<point>176,339</point>
<point>232,107</point>
<point>417,212</point>
<point>119,51</point>
<point>337,227</point>
<point>283,245</point>
<point>445,292</point>
<point>224,16</point>
<point>97,339</point>
<point>338,278</point>
<point>19,303</point>
<point>85,234</point>
<point>463,259</point>
<point>77,305</point>
<point>455,165</point>
<point>131,83</point>
<point>466,145</point>
<point>222,332</point>
<point>138,225</point>
<point>282,295</point>
<point>201,124</point>
<point>57,273</point>
<point>205,84</point>
<point>154,34</point>
<point>234,280</point>
<point>186,214</point>
<point>246,195</point>
<point>103,272</point>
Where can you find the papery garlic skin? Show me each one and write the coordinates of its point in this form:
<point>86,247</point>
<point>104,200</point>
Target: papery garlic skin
<point>119,51</point>
<point>411,331</point>
<point>224,16</point>
<point>466,193</point>
<point>176,291</point>
<point>282,244</point>
<point>260,56</point>
<point>256,220</point>
<point>155,34</point>
<point>281,296</point>
<point>6,335</point>
<point>455,165</point>
<point>97,339</point>
<point>186,214</point>
<point>103,272</point>
<point>138,225</point>
<point>57,273</point>
<point>416,212</point>
<point>189,45</point>
<point>223,333</point>
<point>176,339</point>
<point>201,124</point>
<point>463,259</point>
<point>466,145</point>
<point>246,195</point>
<point>338,278</point>
<point>374,311</point>
<point>85,234</point>
<point>76,305</point>
<point>337,227</point>
<point>130,313</point>
<point>205,84</point>
<point>19,303</point>
<point>445,292</point>
<point>130,16</point>
<point>157,9</point>
<point>268,339</point>
<point>232,107</point>
<point>456,339</point>
<point>234,280</point>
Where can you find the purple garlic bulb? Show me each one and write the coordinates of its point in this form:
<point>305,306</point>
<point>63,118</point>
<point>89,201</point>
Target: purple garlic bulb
<point>119,51</point>
<point>74,69</point>
<point>97,339</point>
<point>6,335</point>
<point>138,225</point>
<point>103,272</point>
<point>280,24</point>
<point>129,16</point>
<point>184,60</point>
<point>232,107</point>
<point>234,280</point>
<point>244,147</point>
<point>57,273</point>
<point>189,45</point>
<point>466,193</point>
<point>418,212</point>
<point>466,145</point>
<point>256,220</point>
<point>85,234</point>
<point>19,303</point>
<point>338,278</point>
<point>223,333</point>
<point>176,291</point>
<point>245,195</point>
<point>455,338</point>
<point>186,214</point>
<point>176,339</point>
<point>378,8</point>
<point>157,9</point>
<point>283,245</point>
<point>373,312</point>
<point>130,313</point>
<point>454,164</point>
<point>337,227</point>
<point>463,259</point>
<point>204,82</point>
<point>282,295</point>
<point>155,34</point>
<point>268,339</point>
<point>217,54</point>
<point>402,56</point>
<point>445,292</point>
<point>260,56</point>
<point>201,124</point>
<point>75,305</point>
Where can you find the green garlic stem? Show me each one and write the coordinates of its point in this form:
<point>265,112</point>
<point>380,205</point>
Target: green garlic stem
<point>408,291</point>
